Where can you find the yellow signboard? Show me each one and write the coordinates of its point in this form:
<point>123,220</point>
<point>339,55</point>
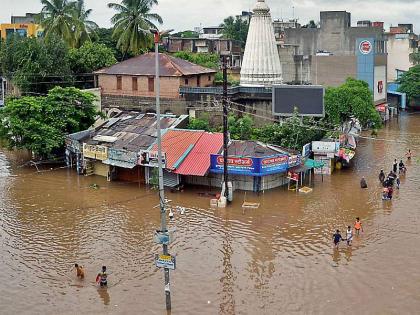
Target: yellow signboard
<point>98,152</point>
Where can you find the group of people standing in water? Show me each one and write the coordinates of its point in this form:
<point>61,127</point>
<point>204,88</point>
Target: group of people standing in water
<point>388,182</point>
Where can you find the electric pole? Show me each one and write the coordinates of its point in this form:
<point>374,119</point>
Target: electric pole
<point>163,226</point>
<point>225,127</point>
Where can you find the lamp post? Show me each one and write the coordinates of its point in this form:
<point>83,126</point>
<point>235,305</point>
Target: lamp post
<point>163,227</point>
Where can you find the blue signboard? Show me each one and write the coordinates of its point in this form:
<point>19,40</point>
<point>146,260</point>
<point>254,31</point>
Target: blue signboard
<point>365,51</point>
<point>250,166</point>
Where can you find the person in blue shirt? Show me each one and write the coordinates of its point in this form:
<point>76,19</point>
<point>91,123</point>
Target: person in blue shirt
<point>337,238</point>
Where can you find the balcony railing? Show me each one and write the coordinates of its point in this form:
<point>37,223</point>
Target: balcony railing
<point>216,90</point>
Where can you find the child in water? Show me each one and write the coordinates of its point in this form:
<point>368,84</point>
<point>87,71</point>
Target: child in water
<point>358,226</point>
<point>337,238</point>
<point>80,272</point>
<point>101,278</point>
<point>398,182</point>
<point>349,233</point>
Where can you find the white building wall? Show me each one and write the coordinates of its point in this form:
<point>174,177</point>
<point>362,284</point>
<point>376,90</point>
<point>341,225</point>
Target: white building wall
<point>398,55</point>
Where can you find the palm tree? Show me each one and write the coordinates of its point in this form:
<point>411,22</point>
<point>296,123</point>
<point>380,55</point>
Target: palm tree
<point>130,23</point>
<point>82,26</point>
<point>56,18</point>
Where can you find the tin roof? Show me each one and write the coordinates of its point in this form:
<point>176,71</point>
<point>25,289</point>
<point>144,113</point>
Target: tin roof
<point>177,144</point>
<point>197,163</point>
<point>250,148</point>
<point>132,131</point>
<point>144,65</point>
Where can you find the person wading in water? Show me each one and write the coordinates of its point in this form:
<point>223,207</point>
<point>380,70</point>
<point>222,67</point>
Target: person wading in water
<point>358,226</point>
<point>381,176</point>
<point>101,278</point>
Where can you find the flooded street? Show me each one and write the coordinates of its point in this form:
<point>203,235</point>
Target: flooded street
<point>277,259</point>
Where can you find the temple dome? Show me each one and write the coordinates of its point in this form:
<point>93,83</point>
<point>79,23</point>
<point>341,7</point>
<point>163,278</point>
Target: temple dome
<point>261,64</point>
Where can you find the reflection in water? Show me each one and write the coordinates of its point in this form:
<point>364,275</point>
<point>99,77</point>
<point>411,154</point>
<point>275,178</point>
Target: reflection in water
<point>276,259</point>
<point>104,295</point>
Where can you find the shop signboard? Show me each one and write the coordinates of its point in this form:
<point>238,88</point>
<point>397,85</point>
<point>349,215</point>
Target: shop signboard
<point>275,164</point>
<point>324,147</point>
<point>121,158</point>
<point>98,152</point>
<point>306,150</point>
<point>252,166</point>
<point>294,160</point>
<point>165,261</point>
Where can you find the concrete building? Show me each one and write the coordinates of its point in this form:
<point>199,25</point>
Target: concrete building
<point>280,25</point>
<point>229,47</point>
<point>261,64</point>
<point>401,42</point>
<point>131,83</point>
<point>21,29</point>
<point>211,32</point>
<point>335,51</point>
<point>26,19</point>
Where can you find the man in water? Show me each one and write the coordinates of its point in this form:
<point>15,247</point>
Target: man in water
<point>395,166</point>
<point>337,238</point>
<point>101,278</point>
<point>390,192</point>
<point>401,167</point>
<point>80,271</point>
<point>398,182</point>
<point>349,234</point>
<point>381,176</point>
<point>358,226</point>
<point>363,183</point>
<point>408,154</point>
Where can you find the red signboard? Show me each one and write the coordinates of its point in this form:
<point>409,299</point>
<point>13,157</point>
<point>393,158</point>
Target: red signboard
<point>236,161</point>
<point>365,47</point>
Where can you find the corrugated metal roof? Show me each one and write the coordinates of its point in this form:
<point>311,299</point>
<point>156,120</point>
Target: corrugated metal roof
<point>145,65</point>
<point>197,163</point>
<point>175,142</point>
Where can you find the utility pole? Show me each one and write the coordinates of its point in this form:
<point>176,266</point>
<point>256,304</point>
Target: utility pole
<point>225,127</point>
<point>163,226</point>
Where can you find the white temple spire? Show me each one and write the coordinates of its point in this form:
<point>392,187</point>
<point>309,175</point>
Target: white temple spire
<point>261,64</point>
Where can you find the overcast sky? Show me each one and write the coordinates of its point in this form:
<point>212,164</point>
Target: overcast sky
<point>186,14</point>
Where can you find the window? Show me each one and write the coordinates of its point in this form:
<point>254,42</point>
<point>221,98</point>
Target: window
<point>151,83</point>
<point>186,81</point>
<point>198,80</point>
<point>119,82</point>
<point>209,78</point>
<point>134,83</point>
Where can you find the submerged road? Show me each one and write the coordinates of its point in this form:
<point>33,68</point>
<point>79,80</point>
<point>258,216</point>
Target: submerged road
<point>277,259</point>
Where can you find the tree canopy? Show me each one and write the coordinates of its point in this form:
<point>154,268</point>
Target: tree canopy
<point>91,57</point>
<point>410,82</point>
<point>351,99</point>
<point>68,20</point>
<point>235,28</point>
<point>39,124</point>
<point>131,22</point>
<point>35,65</point>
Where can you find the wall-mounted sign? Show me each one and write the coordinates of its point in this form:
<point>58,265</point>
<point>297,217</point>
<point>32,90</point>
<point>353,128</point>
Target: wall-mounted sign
<point>365,47</point>
<point>98,152</point>
<point>324,146</point>
<point>380,87</point>
<point>251,166</point>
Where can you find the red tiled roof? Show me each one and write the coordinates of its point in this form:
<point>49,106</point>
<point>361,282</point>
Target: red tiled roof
<point>176,144</point>
<point>145,65</point>
<point>197,163</point>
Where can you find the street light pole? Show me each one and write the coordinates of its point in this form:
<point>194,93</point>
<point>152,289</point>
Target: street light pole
<point>163,226</point>
<point>225,127</point>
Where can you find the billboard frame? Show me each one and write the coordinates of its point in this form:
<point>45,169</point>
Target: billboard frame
<point>283,86</point>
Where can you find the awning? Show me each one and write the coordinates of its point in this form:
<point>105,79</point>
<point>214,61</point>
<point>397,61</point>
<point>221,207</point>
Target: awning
<point>300,169</point>
<point>314,164</point>
<point>118,163</point>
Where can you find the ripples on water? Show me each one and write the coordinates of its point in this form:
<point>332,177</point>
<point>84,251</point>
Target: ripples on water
<point>277,259</point>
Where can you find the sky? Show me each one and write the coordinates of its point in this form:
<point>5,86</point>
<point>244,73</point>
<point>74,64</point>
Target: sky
<point>187,14</point>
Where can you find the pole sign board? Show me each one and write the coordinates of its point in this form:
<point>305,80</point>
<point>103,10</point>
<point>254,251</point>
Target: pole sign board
<point>165,261</point>
<point>252,166</point>
<point>150,158</point>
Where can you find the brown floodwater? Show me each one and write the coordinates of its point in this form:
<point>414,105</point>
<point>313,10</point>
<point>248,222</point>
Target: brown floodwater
<point>277,259</point>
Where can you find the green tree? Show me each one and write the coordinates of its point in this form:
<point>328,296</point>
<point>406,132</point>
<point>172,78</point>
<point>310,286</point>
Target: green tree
<point>90,57</point>
<point>240,128</point>
<point>235,28</point>
<point>131,22</point>
<point>415,58</point>
<point>104,36</point>
<point>410,83</point>
<point>35,65</point>
<point>199,124</point>
<point>186,34</point>
<point>57,19</point>
<point>83,28</point>
<point>39,124</point>
<point>352,99</point>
